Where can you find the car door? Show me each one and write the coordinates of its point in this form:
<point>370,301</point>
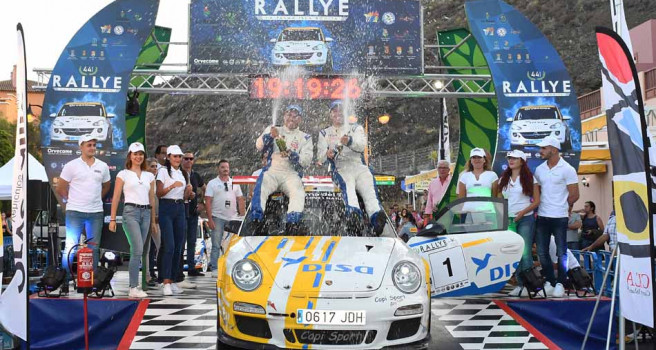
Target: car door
<point>469,247</point>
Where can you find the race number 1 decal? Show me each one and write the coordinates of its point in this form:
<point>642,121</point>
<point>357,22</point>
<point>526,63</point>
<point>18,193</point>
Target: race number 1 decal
<point>448,268</point>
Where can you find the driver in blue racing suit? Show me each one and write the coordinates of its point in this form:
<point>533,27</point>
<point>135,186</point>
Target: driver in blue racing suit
<point>343,147</point>
<point>288,151</point>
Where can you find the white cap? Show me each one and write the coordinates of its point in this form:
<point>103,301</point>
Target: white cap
<point>136,147</point>
<point>549,141</point>
<point>85,138</point>
<point>477,152</point>
<point>517,154</point>
<point>174,150</point>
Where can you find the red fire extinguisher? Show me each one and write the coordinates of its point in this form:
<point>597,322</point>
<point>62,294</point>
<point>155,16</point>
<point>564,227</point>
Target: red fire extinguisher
<point>85,267</point>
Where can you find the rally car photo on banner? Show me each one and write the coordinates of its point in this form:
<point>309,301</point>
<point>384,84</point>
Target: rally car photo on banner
<point>469,247</point>
<point>329,282</point>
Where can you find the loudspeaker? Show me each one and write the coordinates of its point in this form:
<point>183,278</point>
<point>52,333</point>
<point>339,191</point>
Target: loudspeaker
<point>39,196</point>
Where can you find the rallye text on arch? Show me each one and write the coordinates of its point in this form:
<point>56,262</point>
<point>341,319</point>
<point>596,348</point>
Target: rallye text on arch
<point>328,284</point>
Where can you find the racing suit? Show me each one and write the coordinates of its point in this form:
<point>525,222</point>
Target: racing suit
<point>282,173</point>
<point>349,170</point>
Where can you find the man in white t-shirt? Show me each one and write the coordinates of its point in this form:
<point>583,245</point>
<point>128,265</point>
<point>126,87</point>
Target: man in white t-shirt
<point>225,200</point>
<point>559,190</point>
<point>82,184</point>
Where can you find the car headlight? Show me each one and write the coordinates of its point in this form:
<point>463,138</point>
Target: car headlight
<point>318,47</point>
<point>278,48</point>
<point>247,275</point>
<point>556,126</point>
<point>98,123</point>
<point>515,127</point>
<point>57,123</point>
<point>406,277</point>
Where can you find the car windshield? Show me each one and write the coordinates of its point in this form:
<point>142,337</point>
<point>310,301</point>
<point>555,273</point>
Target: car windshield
<point>300,35</point>
<point>473,215</point>
<point>538,113</point>
<point>324,215</point>
<point>82,111</point>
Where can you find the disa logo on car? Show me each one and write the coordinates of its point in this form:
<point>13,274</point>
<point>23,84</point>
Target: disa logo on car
<point>367,270</point>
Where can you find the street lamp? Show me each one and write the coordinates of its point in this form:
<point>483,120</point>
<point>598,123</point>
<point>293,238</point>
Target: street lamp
<point>384,119</point>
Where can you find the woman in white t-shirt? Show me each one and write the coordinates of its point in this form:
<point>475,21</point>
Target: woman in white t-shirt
<point>138,188</point>
<point>478,180</point>
<point>172,188</point>
<point>520,188</point>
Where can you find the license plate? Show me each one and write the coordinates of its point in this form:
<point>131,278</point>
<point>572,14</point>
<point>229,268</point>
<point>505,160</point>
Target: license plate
<point>299,62</point>
<point>331,317</point>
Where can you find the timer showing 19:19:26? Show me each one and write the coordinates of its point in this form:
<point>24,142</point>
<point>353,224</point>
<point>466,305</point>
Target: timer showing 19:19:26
<point>314,88</point>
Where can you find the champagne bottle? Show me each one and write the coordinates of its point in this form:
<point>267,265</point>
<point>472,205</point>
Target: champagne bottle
<point>282,145</point>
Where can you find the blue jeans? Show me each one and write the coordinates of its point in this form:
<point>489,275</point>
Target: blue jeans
<point>76,222</point>
<point>525,228</point>
<point>192,230</point>
<point>136,223</point>
<point>217,238</point>
<point>172,224</point>
<point>545,227</point>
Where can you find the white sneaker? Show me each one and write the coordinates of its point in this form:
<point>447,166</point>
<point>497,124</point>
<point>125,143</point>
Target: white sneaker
<point>176,289</point>
<point>166,289</point>
<point>517,292</point>
<point>137,293</point>
<point>186,285</point>
<point>215,273</point>
<point>548,288</point>
<point>558,291</point>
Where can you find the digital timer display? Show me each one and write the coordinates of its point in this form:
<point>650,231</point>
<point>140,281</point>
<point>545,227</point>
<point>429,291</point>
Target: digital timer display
<point>314,88</point>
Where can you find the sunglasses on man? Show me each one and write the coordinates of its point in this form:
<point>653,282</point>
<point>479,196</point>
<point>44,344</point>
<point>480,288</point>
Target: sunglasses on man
<point>225,185</point>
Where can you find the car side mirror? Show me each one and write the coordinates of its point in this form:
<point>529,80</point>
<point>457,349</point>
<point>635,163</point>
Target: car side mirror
<point>232,226</point>
<point>273,40</point>
<point>433,229</point>
<point>329,40</point>
<point>52,115</point>
<point>509,119</point>
<point>111,115</point>
<point>566,117</point>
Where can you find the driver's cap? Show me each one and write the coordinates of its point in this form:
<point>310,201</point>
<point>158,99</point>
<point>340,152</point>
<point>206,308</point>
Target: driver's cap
<point>297,108</point>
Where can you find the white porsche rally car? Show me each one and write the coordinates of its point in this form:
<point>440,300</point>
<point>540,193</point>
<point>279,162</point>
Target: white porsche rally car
<point>329,283</point>
<point>304,46</point>
<point>75,119</point>
<point>531,124</point>
<point>469,247</point>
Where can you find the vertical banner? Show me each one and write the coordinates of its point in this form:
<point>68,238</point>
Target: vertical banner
<point>151,56</point>
<point>629,144</point>
<point>13,303</point>
<point>478,116</point>
<point>86,94</point>
<point>619,23</point>
<point>534,91</point>
<point>445,146</point>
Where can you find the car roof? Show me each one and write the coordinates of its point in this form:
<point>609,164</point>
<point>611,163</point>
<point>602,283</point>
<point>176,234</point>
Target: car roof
<point>540,107</point>
<point>83,104</point>
<point>302,28</point>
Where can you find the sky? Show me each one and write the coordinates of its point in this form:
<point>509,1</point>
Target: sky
<point>50,24</point>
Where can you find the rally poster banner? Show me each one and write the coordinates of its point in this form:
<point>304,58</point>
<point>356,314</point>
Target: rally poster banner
<point>628,141</point>
<point>87,91</point>
<point>13,302</point>
<point>534,90</point>
<point>341,36</point>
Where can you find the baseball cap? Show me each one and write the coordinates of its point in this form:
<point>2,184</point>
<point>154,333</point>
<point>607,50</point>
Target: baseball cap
<point>549,141</point>
<point>85,138</point>
<point>174,150</point>
<point>477,152</point>
<point>334,104</point>
<point>517,154</point>
<point>295,107</point>
<point>136,147</point>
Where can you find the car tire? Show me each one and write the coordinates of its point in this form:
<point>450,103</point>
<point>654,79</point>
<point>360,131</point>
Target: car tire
<point>567,144</point>
<point>205,262</point>
<point>328,67</point>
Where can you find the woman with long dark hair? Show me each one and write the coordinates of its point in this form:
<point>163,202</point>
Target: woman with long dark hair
<point>520,188</point>
<point>172,189</point>
<point>137,185</point>
<point>592,226</point>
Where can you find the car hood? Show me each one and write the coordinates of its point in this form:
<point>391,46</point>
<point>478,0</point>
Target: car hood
<point>79,122</point>
<point>298,46</point>
<point>326,264</point>
<point>536,124</point>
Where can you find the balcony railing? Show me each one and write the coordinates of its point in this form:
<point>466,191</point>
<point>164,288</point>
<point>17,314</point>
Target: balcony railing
<point>650,84</point>
<point>590,104</point>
